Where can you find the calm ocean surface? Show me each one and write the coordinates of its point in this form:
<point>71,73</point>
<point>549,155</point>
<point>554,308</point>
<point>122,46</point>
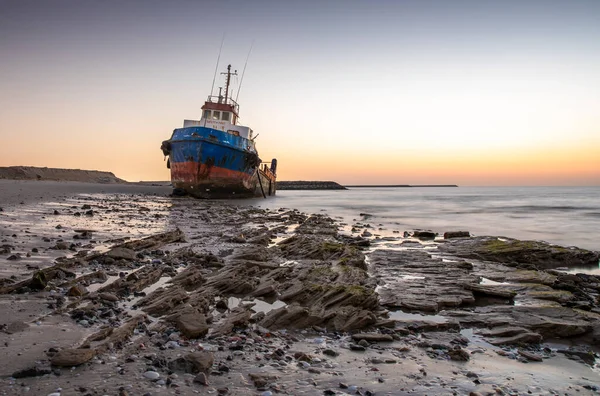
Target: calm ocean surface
<point>568,216</point>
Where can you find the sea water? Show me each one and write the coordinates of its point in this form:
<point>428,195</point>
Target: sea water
<point>567,216</point>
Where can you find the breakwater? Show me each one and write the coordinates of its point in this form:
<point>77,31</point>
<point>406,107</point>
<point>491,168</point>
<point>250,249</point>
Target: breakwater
<point>309,185</point>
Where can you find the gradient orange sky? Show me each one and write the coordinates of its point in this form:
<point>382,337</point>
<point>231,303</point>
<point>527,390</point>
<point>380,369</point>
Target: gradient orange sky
<point>396,92</point>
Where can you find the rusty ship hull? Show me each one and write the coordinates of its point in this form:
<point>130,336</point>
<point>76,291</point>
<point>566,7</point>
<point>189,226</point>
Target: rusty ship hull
<point>208,163</point>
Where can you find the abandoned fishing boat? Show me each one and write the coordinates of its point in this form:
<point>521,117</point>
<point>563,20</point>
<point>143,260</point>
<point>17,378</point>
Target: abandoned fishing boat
<point>216,157</point>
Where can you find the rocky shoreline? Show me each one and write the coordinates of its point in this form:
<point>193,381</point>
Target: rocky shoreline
<point>137,294</point>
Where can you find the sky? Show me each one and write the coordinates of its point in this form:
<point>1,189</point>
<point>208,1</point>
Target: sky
<point>360,92</point>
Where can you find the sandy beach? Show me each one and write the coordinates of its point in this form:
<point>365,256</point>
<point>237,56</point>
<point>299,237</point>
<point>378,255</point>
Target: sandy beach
<point>121,289</point>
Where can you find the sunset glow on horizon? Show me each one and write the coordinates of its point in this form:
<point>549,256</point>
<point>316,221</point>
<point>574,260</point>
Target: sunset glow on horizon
<point>389,92</point>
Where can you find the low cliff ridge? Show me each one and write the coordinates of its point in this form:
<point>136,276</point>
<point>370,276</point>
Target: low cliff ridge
<point>36,173</point>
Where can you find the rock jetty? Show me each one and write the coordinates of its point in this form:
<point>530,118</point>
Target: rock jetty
<point>309,185</point>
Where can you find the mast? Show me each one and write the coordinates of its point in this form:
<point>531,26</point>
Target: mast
<point>228,80</point>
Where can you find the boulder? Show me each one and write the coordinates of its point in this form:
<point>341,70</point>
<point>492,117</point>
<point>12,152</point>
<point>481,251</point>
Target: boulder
<point>192,325</point>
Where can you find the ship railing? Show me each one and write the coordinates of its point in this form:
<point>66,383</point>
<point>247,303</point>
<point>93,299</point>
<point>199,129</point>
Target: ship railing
<point>221,99</point>
<point>267,171</point>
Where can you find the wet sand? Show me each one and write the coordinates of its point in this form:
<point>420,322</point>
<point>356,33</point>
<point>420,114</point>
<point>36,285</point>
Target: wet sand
<point>180,296</point>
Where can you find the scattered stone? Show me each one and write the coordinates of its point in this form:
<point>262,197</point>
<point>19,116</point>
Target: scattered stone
<point>72,357</point>
<point>459,354</point>
<point>534,357</point>
<point>424,235</point>
<point>108,297</point>
<point>262,379</point>
<point>330,352</point>
<point>192,325</point>
<point>456,234</point>
<point>14,327</point>
<point>152,375</point>
<point>201,379</point>
<point>77,291</point>
<point>35,371</point>
<point>61,246</point>
<point>38,281</point>
<point>193,363</point>
<point>372,337</point>
<point>121,253</point>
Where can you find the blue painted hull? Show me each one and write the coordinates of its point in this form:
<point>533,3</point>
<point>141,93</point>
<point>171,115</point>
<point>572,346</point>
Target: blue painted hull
<point>209,163</point>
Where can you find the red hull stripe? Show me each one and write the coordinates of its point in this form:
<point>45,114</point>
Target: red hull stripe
<point>190,172</point>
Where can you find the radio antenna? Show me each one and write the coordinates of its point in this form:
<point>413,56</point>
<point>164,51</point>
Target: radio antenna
<point>244,71</point>
<point>217,66</point>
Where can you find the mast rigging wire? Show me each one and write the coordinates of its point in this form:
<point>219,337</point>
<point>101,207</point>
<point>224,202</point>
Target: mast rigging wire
<point>244,71</point>
<point>217,66</point>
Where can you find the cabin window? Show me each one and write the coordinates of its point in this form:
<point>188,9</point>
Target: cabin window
<point>225,116</point>
<point>216,115</point>
<point>206,113</point>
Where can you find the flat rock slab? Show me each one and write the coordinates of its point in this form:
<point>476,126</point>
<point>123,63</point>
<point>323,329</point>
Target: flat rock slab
<point>416,281</point>
<point>526,254</point>
<point>544,321</point>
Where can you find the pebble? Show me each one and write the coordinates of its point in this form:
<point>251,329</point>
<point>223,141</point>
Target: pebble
<point>151,375</point>
<point>201,379</point>
<point>304,364</point>
<point>330,352</point>
<point>172,345</point>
